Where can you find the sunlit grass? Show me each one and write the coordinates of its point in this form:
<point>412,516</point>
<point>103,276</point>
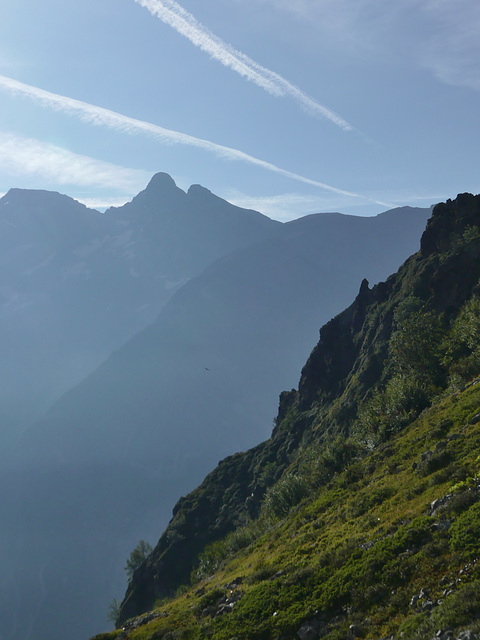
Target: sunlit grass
<point>360,547</point>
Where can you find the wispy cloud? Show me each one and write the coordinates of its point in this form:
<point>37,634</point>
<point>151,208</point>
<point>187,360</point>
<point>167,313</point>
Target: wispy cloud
<point>453,51</point>
<point>20,156</point>
<point>283,207</point>
<point>171,13</point>
<point>288,206</point>
<point>99,203</point>
<point>118,122</point>
<point>438,35</point>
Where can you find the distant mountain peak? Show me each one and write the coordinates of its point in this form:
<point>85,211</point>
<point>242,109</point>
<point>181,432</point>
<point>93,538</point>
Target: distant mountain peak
<point>37,197</point>
<point>161,180</point>
<point>196,189</point>
<point>161,189</point>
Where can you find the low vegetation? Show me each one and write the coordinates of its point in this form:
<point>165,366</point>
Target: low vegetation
<point>359,550</point>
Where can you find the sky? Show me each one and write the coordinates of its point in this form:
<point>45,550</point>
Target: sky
<point>289,107</point>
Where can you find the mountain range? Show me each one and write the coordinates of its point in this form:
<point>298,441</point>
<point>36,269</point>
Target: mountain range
<point>76,284</point>
<point>166,329</point>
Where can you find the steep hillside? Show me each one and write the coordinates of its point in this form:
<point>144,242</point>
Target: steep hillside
<point>238,333</point>
<point>75,284</point>
<point>359,516</point>
<point>110,458</point>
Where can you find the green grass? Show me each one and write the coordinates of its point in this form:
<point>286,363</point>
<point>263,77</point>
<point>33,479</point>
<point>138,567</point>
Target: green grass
<point>355,549</point>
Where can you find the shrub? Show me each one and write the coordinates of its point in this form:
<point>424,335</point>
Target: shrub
<point>137,557</point>
<point>462,345</point>
<point>456,611</point>
<point>415,344</point>
<point>209,560</point>
<point>113,611</point>
<point>283,496</point>
<point>461,502</point>
<point>321,462</point>
<point>465,532</point>
<point>387,412</point>
<point>209,599</point>
<point>434,462</point>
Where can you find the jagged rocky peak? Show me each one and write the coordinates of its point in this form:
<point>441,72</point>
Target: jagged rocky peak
<point>197,189</point>
<point>161,181</point>
<point>202,196</point>
<point>449,219</point>
<point>160,191</point>
<point>204,200</point>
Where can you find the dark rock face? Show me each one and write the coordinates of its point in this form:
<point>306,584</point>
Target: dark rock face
<point>337,351</point>
<point>448,220</point>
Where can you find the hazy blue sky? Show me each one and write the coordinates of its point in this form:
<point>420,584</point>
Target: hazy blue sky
<point>286,106</point>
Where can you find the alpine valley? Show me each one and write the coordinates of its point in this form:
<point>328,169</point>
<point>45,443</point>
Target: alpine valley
<point>141,345</point>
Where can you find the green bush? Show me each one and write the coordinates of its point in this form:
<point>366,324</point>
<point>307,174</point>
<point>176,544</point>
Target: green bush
<point>415,344</point>
<point>209,599</point>
<point>466,328</point>
<point>209,560</point>
<point>412,625</point>
<point>114,611</point>
<point>438,460</point>
<point>415,374</point>
<point>462,344</point>
<point>387,412</point>
<point>460,502</point>
<point>137,557</point>
<point>283,496</point>
<point>465,532</point>
<point>321,462</point>
<point>458,610</point>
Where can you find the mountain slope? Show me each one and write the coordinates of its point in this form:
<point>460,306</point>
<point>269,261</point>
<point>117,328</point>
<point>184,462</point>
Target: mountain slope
<point>347,448</point>
<point>236,332</point>
<point>382,551</point>
<point>76,284</point>
<point>110,458</point>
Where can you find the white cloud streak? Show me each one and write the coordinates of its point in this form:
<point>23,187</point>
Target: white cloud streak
<point>171,13</point>
<point>20,155</point>
<point>124,124</point>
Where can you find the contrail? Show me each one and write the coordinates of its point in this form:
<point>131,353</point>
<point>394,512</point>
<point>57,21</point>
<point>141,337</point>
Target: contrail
<point>171,13</point>
<point>104,117</point>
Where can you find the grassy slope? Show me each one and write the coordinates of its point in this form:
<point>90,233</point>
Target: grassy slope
<point>358,549</point>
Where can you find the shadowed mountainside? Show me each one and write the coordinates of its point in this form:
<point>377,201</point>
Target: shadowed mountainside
<point>76,284</point>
